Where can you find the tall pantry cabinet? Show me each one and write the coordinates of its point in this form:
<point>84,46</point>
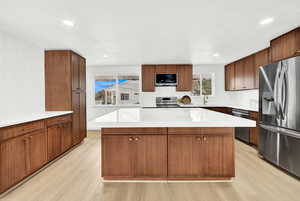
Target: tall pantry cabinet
<point>65,86</point>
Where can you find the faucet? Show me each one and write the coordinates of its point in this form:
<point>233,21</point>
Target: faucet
<point>205,100</point>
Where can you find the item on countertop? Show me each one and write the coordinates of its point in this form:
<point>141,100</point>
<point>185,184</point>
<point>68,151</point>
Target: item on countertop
<point>185,100</point>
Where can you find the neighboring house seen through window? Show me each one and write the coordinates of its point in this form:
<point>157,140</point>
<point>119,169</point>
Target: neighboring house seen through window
<point>117,90</point>
<point>203,84</point>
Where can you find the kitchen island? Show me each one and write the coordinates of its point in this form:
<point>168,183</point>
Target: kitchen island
<point>168,144</point>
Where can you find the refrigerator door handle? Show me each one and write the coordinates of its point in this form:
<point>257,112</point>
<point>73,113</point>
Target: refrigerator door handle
<point>282,131</point>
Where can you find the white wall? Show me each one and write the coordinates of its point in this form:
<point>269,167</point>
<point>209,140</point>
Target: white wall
<point>21,77</point>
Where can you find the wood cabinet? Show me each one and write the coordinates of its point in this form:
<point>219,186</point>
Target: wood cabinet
<point>20,156</point>
<point>59,135</point>
<point>249,73</point>
<point>230,77</point>
<point>184,77</point>
<point>65,79</point>
<point>139,156</point>
<point>254,131</point>
<point>66,136</point>
<point>148,78</point>
<point>37,150</point>
<point>200,156</point>
<point>286,45</point>
<point>54,142</point>
<point>261,58</point>
<point>167,153</point>
<point>240,75</point>
<point>13,161</point>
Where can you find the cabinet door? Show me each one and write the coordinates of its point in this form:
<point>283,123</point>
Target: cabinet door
<point>249,74</point>
<point>54,141</point>
<point>218,155</point>
<point>184,77</point>
<point>37,150</point>
<point>148,78</point>
<point>82,117</point>
<point>117,156</point>
<point>261,58</point>
<point>76,117</point>
<point>229,77</point>
<point>151,156</point>
<point>82,74</point>
<point>75,71</point>
<point>239,75</point>
<point>185,156</point>
<point>13,162</point>
<point>66,136</point>
<point>166,69</point>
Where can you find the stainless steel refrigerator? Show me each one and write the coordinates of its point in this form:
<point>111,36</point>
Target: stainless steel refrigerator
<point>279,106</point>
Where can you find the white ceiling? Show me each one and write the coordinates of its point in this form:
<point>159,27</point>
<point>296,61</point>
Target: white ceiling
<point>153,31</point>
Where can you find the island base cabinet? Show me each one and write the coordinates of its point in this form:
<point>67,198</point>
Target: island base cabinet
<point>200,157</point>
<point>134,156</point>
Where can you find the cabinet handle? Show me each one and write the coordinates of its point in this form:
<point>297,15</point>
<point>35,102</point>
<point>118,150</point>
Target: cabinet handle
<point>204,138</point>
<point>130,139</point>
<point>136,139</point>
<point>199,139</point>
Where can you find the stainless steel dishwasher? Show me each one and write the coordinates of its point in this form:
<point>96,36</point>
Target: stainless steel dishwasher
<point>242,133</point>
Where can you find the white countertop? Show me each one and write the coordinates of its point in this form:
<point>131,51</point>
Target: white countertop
<point>167,117</point>
<point>31,117</point>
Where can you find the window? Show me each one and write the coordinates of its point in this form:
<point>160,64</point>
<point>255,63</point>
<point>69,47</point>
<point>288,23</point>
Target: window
<point>203,84</point>
<point>117,90</point>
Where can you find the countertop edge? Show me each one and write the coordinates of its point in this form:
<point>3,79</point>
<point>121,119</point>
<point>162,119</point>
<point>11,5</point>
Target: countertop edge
<point>35,117</point>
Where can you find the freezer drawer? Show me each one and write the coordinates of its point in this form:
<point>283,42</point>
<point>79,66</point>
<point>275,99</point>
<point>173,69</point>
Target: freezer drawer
<point>289,155</point>
<point>268,144</point>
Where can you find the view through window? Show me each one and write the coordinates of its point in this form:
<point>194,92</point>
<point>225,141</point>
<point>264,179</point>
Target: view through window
<point>203,84</point>
<point>117,90</point>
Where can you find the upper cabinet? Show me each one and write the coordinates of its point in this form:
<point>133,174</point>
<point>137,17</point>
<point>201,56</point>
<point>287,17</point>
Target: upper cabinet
<point>240,75</point>
<point>286,45</point>
<point>229,77</point>
<point>244,73</point>
<point>261,58</point>
<point>148,78</point>
<point>184,76</point>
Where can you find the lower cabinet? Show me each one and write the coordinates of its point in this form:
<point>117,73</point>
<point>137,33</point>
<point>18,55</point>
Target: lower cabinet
<point>134,156</point>
<point>185,153</point>
<point>21,156</point>
<point>37,150</point>
<point>200,156</point>
<point>66,136</point>
<point>54,141</point>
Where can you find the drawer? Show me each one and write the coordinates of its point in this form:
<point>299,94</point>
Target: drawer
<point>133,131</point>
<point>17,130</point>
<point>185,131</point>
<point>58,120</point>
<point>199,131</point>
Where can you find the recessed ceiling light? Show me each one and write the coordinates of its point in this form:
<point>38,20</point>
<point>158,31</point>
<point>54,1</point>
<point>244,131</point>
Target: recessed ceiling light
<point>216,54</point>
<point>105,55</point>
<point>266,21</point>
<point>68,23</point>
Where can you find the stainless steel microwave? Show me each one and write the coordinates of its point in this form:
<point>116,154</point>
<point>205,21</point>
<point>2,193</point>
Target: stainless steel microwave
<point>166,79</point>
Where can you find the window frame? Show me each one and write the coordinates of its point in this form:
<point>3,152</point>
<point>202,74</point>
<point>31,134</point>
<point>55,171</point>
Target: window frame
<point>213,81</point>
<point>116,77</point>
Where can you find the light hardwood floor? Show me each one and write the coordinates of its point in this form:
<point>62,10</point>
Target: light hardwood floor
<point>76,177</point>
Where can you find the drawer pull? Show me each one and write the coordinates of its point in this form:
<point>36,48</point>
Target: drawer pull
<point>136,139</point>
<point>130,139</point>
